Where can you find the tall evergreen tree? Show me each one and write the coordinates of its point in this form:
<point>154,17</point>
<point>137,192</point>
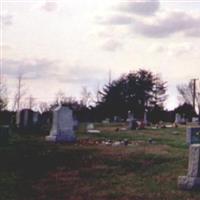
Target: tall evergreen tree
<point>135,91</point>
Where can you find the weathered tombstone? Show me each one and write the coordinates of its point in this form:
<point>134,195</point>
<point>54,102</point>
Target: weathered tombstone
<point>193,135</point>
<point>177,118</point>
<point>63,126</point>
<point>192,180</point>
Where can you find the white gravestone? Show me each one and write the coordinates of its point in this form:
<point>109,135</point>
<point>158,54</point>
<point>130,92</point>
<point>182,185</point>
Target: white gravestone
<point>63,126</point>
<point>192,180</point>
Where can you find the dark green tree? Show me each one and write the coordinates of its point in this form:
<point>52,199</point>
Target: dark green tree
<point>135,91</point>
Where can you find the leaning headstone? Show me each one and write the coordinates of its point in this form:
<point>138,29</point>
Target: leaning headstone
<point>192,180</point>
<point>193,135</point>
<point>63,126</point>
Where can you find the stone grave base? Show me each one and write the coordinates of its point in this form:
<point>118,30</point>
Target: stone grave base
<point>61,138</point>
<point>188,183</point>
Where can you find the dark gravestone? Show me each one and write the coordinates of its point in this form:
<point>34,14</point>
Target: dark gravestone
<point>193,135</point>
<point>4,134</point>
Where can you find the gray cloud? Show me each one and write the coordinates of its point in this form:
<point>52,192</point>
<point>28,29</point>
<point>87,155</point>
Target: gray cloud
<point>115,20</point>
<point>6,19</point>
<point>50,6</point>
<point>141,7</point>
<point>174,22</point>
<point>175,49</point>
<point>30,69</point>
<point>77,74</point>
<point>163,24</point>
<point>111,45</point>
<point>43,69</point>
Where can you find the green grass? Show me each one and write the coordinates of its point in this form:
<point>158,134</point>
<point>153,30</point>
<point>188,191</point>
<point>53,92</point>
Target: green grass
<point>32,169</point>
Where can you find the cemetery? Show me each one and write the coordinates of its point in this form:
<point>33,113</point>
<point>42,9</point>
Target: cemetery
<point>100,100</point>
<point>98,160</point>
<point>125,146</point>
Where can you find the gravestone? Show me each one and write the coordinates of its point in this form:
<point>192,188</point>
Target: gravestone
<point>18,119</point>
<point>192,180</point>
<point>24,119</point>
<point>195,120</point>
<point>35,117</point>
<point>106,121</point>
<point>63,126</point>
<point>130,119</point>
<point>193,135</point>
<point>145,118</point>
<point>90,126</point>
<point>177,118</point>
<point>132,123</point>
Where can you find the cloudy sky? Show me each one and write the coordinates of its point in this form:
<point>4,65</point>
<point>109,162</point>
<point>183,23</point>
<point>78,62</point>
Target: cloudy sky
<point>67,44</point>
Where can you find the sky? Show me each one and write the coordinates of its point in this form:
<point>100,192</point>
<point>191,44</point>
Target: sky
<point>65,45</point>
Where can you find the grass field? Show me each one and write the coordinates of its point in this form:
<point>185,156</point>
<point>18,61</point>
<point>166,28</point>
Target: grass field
<point>32,169</point>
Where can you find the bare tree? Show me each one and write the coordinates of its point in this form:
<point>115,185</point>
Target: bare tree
<point>43,107</point>
<point>31,102</point>
<point>60,97</point>
<point>3,96</point>
<point>185,92</point>
<point>86,96</point>
<point>190,94</point>
<point>19,94</point>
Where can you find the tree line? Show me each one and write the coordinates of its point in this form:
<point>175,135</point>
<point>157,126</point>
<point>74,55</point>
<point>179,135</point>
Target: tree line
<point>137,91</point>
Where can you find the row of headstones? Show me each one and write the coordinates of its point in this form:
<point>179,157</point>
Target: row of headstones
<point>63,130</point>
<point>27,118</point>
<point>182,120</point>
<point>192,179</point>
